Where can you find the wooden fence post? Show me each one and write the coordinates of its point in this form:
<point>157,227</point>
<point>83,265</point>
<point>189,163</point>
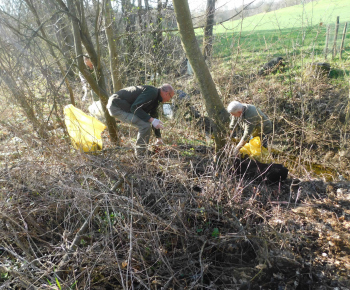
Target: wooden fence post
<point>335,38</point>
<point>343,40</point>
<point>327,41</point>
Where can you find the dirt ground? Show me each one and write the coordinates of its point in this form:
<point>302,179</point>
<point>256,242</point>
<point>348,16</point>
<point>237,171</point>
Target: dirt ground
<point>180,220</point>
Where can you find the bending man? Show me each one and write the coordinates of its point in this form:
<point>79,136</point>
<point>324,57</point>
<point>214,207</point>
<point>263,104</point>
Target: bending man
<point>251,120</point>
<point>138,106</point>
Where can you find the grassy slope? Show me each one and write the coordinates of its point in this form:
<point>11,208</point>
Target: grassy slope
<point>313,13</point>
<point>292,30</point>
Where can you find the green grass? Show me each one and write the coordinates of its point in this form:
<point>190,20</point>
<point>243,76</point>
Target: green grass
<point>298,16</point>
<point>310,40</point>
<point>294,30</point>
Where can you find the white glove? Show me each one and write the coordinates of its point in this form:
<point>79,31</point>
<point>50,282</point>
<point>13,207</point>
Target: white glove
<point>159,142</point>
<point>157,124</point>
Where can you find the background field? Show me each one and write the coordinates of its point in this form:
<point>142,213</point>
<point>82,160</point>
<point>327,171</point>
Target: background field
<point>298,16</point>
<point>295,30</point>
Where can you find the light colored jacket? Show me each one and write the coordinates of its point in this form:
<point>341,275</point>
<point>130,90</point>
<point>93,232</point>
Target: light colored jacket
<point>253,121</point>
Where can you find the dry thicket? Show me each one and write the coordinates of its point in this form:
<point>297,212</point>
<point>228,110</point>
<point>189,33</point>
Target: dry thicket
<point>178,220</point>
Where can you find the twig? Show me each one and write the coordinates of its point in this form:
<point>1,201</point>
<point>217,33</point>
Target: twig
<point>200,261</point>
<point>130,236</point>
<point>61,266</point>
<point>167,284</point>
<point>118,184</point>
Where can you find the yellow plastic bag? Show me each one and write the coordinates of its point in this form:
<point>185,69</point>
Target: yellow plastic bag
<point>84,130</point>
<point>254,149</point>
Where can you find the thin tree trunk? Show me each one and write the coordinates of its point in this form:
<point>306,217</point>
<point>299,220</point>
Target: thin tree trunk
<point>130,28</point>
<point>146,20</point>
<point>208,30</point>
<point>157,42</point>
<point>63,35</point>
<point>98,87</point>
<point>139,12</point>
<point>214,106</point>
<point>112,47</point>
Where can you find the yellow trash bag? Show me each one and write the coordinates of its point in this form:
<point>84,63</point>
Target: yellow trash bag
<point>254,149</point>
<point>84,130</point>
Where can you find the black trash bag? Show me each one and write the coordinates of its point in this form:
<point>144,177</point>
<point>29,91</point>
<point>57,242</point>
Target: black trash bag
<point>251,169</point>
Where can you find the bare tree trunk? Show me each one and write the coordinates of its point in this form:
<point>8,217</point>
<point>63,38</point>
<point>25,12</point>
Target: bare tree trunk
<point>139,12</point>
<point>157,42</point>
<point>130,28</point>
<point>52,52</point>
<point>146,20</point>
<point>214,106</point>
<point>63,35</point>
<point>80,33</point>
<point>112,47</point>
<point>208,29</point>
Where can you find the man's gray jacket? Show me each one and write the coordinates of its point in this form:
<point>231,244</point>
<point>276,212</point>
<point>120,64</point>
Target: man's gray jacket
<point>143,101</point>
<point>253,121</point>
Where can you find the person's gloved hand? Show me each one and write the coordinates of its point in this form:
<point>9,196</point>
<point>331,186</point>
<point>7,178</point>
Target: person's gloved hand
<point>159,142</point>
<point>157,124</point>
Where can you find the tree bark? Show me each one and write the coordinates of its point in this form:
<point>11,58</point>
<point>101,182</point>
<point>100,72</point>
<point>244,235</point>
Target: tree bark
<point>140,13</point>
<point>80,33</point>
<point>147,16</point>
<point>129,15</point>
<point>214,106</point>
<point>112,47</point>
<point>63,35</point>
<point>208,29</point>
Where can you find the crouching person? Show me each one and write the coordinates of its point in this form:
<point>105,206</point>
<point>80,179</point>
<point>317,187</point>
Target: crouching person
<point>252,121</point>
<point>137,106</point>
